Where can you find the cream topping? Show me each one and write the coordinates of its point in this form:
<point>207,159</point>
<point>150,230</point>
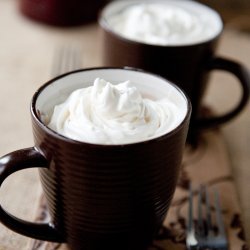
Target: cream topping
<point>166,23</point>
<point>108,113</point>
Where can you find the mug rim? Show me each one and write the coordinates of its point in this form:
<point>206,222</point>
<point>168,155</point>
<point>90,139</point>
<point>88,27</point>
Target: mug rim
<point>36,116</point>
<point>103,23</point>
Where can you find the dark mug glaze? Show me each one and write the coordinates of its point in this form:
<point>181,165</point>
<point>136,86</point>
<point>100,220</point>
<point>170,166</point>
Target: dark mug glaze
<point>62,12</point>
<point>188,66</point>
<point>99,196</point>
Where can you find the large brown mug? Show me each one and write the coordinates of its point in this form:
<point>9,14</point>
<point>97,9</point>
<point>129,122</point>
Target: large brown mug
<point>100,196</point>
<point>186,64</point>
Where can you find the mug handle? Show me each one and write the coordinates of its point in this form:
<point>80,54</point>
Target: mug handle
<point>243,76</point>
<point>13,162</point>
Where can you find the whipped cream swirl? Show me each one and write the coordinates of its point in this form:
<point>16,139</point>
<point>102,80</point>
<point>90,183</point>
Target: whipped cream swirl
<point>166,23</point>
<point>113,114</point>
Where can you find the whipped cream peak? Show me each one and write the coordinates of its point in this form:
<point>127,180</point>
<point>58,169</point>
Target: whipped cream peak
<point>115,101</point>
<point>108,113</point>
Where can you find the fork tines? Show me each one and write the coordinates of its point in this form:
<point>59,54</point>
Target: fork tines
<point>202,233</point>
<point>66,58</point>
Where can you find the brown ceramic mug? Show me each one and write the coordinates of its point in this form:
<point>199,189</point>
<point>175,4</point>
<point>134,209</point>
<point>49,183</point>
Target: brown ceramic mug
<point>188,65</point>
<point>100,196</point>
<point>62,12</point>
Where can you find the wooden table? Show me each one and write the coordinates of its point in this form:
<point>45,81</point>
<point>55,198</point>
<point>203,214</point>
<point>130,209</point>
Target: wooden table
<point>25,62</point>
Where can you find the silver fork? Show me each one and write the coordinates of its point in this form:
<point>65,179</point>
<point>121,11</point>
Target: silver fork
<point>66,58</point>
<point>201,235</point>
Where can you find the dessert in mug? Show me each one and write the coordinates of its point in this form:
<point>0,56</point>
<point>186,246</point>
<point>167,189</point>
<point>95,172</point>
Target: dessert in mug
<point>107,113</point>
<point>165,22</point>
<point>100,195</point>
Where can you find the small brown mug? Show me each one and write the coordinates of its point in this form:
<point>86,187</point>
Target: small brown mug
<point>62,12</point>
<point>187,65</point>
<point>100,196</point>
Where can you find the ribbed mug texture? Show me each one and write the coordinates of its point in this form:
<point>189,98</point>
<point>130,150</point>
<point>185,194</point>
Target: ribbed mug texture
<point>116,193</point>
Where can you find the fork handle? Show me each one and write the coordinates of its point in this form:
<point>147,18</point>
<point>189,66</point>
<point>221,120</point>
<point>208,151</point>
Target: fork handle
<point>9,164</point>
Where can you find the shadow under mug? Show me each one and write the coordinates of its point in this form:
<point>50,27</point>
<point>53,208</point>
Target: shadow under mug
<point>188,66</point>
<point>99,196</point>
